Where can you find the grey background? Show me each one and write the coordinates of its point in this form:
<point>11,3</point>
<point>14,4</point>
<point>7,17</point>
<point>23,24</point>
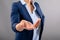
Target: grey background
<point>51,10</point>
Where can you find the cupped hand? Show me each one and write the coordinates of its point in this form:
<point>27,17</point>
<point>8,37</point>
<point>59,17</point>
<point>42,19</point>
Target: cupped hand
<point>30,26</point>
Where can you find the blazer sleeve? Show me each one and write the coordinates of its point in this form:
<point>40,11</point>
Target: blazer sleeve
<point>15,16</point>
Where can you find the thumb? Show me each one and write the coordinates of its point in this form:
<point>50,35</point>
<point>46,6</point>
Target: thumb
<point>37,23</point>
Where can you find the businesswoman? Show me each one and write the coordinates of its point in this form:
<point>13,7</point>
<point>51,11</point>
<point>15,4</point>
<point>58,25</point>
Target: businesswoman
<point>27,20</point>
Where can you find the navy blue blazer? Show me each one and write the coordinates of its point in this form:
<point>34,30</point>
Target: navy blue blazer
<point>18,13</point>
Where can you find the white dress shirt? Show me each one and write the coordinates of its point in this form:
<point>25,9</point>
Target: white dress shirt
<point>34,18</point>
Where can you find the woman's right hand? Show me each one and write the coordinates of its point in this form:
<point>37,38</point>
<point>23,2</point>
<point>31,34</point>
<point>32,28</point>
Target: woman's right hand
<point>24,25</point>
<point>27,25</point>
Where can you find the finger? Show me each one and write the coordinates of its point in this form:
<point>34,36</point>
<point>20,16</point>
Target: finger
<point>37,23</point>
<point>29,26</point>
<point>39,19</point>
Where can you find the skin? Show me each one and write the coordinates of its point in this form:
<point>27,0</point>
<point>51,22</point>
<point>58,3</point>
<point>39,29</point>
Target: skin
<point>26,24</point>
<point>29,4</point>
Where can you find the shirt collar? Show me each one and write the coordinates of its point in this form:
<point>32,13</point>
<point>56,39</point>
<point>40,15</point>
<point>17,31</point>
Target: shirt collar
<point>24,3</point>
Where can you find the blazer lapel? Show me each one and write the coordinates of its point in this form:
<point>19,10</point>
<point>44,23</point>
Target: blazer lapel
<point>28,18</point>
<point>24,12</point>
<point>38,10</point>
<point>27,13</point>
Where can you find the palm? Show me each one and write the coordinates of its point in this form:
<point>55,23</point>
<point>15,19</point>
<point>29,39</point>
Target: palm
<point>30,26</point>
